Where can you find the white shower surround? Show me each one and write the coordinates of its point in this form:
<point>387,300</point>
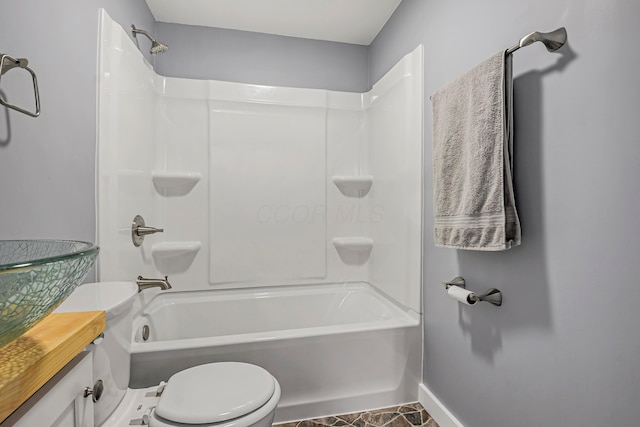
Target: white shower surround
<point>263,188</point>
<point>248,181</point>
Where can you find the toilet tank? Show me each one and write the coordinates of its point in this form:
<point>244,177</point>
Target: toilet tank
<point>111,356</point>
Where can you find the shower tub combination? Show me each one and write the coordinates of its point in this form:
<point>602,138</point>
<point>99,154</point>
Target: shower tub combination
<point>334,348</point>
<point>238,157</point>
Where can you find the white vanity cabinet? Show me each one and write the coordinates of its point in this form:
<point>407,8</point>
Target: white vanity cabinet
<point>60,402</point>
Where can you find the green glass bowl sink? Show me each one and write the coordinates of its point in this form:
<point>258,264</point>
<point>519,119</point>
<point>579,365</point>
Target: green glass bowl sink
<point>35,277</point>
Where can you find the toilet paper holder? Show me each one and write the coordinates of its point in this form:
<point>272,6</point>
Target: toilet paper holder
<point>492,296</point>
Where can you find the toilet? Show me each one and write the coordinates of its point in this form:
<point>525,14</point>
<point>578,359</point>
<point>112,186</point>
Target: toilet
<point>223,394</point>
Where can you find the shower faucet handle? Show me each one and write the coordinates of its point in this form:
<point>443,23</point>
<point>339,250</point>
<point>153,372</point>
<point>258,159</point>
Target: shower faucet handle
<point>143,231</point>
<point>139,230</point>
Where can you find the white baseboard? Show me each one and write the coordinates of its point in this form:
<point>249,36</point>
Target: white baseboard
<point>436,409</point>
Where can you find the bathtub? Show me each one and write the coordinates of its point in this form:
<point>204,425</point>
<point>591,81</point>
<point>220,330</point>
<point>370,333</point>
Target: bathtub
<point>334,348</point>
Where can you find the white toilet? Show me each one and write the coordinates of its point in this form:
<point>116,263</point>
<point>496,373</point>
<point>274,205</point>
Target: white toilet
<point>225,394</point>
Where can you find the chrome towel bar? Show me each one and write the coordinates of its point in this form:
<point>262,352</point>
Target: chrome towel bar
<point>8,62</point>
<point>553,40</point>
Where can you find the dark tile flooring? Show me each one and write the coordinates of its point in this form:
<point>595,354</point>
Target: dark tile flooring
<point>407,415</point>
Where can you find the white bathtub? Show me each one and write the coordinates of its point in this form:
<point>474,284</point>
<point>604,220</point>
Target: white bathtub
<point>334,348</point>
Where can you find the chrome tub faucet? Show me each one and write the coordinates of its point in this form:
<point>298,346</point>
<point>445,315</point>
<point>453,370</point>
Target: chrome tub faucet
<point>144,283</point>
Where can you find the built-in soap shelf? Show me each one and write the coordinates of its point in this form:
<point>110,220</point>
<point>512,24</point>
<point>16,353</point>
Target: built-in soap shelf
<point>173,183</point>
<point>174,257</point>
<point>358,244</point>
<point>353,185</point>
<point>353,250</point>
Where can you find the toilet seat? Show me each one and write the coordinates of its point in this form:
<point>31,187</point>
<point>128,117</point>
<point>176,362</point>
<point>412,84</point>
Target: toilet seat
<point>215,394</point>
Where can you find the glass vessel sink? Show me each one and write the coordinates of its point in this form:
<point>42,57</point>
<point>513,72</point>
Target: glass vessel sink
<point>35,277</point>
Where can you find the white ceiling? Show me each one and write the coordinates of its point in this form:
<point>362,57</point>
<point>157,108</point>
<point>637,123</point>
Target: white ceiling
<point>346,21</point>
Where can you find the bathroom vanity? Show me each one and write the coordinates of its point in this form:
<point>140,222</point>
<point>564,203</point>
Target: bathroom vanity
<point>44,373</point>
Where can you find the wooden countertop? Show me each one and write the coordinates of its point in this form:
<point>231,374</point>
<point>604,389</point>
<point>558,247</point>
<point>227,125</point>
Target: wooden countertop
<point>32,359</point>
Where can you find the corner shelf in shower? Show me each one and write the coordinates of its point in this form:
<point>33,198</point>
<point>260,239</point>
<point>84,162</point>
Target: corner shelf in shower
<point>353,250</point>
<point>174,257</point>
<point>353,185</point>
<point>174,183</point>
<point>357,244</point>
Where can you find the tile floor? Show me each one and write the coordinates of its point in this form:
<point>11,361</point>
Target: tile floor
<point>407,415</point>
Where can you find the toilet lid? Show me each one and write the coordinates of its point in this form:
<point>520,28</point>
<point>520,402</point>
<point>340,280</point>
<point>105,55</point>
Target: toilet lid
<point>215,392</point>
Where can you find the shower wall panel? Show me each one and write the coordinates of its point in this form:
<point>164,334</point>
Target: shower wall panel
<point>394,119</point>
<point>267,192</point>
<point>181,128</point>
<point>347,155</point>
<point>258,185</point>
<point>126,153</point>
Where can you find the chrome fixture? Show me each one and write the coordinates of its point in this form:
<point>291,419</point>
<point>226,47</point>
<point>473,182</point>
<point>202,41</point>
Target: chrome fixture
<point>144,283</point>
<point>7,63</point>
<point>156,47</point>
<point>492,296</point>
<point>145,332</point>
<point>553,40</point>
<point>139,230</point>
<point>95,392</point>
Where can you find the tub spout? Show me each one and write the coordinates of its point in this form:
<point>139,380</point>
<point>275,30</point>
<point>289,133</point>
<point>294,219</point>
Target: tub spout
<point>144,283</point>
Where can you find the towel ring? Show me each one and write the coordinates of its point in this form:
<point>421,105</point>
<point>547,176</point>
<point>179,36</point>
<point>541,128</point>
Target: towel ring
<point>21,63</point>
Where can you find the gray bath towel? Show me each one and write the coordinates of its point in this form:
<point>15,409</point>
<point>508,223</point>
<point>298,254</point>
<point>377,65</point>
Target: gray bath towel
<point>473,201</point>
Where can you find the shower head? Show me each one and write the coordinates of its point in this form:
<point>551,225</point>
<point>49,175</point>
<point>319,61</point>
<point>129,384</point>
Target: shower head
<point>156,47</point>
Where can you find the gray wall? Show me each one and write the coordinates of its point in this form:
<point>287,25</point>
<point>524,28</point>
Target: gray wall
<point>563,350</point>
<point>47,164</point>
<point>263,59</point>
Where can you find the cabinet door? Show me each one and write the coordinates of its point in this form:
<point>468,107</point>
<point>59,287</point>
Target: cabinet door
<point>60,402</point>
